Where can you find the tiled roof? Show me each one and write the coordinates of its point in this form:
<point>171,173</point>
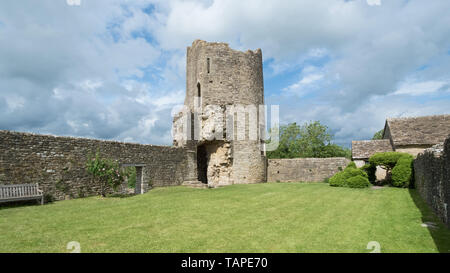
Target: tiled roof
<point>364,149</point>
<point>428,130</point>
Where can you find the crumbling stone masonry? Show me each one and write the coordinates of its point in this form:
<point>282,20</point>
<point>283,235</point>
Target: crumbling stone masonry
<point>305,169</point>
<point>432,179</point>
<point>58,163</point>
<point>221,83</point>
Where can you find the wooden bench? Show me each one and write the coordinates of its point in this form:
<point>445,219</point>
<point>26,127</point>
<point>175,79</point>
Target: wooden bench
<point>10,193</point>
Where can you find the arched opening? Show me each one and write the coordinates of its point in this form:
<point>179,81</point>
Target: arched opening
<point>199,90</point>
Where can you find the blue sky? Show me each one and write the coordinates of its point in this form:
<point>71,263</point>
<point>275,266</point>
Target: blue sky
<point>114,69</point>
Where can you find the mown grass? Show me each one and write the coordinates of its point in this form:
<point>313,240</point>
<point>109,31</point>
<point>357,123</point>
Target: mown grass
<point>272,217</point>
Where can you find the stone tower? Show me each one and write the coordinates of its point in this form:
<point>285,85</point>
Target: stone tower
<point>222,121</point>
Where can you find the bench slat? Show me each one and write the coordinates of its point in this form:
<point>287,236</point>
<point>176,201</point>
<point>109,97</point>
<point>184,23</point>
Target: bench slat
<point>19,191</point>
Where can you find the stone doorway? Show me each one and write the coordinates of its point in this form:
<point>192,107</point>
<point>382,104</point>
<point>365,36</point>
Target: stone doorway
<point>140,187</point>
<point>214,163</point>
<point>202,164</point>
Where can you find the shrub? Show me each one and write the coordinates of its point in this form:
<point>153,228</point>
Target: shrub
<point>354,172</point>
<point>402,172</point>
<point>341,179</point>
<point>371,171</point>
<point>352,165</point>
<point>338,180</point>
<point>105,172</point>
<point>387,160</point>
<point>400,162</point>
<point>358,181</point>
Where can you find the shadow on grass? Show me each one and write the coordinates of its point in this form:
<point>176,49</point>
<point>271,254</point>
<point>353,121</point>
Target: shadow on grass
<point>120,195</point>
<point>440,233</point>
<point>17,204</point>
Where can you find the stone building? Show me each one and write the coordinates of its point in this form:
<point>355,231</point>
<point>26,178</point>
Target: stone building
<point>415,134</point>
<point>408,135</point>
<point>364,149</point>
<point>221,124</point>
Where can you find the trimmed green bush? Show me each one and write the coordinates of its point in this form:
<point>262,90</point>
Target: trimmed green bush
<point>341,179</point>
<point>402,172</point>
<point>358,182</point>
<point>399,165</point>
<point>352,165</point>
<point>371,171</point>
<point>338,180</point>
<point>388,159</point>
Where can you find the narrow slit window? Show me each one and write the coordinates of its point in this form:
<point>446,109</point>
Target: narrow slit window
<point>208,65</point>
<point>199,90</point>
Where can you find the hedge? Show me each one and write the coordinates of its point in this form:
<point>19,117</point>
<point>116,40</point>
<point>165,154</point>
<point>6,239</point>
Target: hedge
<point>402,172</point>
<point>399,163</point>
<point>341,179</point>
<point>358,181</point>
<point>387,159</point>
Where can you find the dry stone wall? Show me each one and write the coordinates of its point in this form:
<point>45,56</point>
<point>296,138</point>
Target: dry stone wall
<point>432,179</point>
<point>58,163</point>
<point>304,169</point>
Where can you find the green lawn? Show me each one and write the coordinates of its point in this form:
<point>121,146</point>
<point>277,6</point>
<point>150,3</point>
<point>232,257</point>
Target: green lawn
<point>272,217</point>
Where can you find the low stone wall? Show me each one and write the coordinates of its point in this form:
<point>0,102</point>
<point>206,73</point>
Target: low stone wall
<point>304,169</point>
<point>432,179</point>
<point>58,163</point>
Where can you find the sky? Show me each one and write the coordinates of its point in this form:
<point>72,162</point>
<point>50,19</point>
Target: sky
<point>114,70</point>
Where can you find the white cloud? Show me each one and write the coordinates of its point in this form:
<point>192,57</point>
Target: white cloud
<point>374,2</point>
<point>301,87</point>
<point>421,88</point>
<point>107,69</point>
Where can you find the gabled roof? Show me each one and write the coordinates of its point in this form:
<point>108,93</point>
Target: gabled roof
<point>364,149</point>
<point>428,130</point>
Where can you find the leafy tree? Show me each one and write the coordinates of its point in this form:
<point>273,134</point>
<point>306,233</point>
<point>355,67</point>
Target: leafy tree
<point>309,140</point>
<point>333,150</point>
<point>378,135</point>
<point>313,138</point>
<point>106,172</point>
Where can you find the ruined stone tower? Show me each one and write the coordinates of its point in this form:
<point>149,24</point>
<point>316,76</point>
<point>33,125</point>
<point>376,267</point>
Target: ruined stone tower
<point>222,121</point>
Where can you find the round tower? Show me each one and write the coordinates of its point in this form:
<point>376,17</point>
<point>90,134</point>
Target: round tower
<point>224,91</point>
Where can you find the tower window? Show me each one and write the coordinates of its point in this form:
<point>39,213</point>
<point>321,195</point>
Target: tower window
<point>199,90</point>
<point>208,65</point>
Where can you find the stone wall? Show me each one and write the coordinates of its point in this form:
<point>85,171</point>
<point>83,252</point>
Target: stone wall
<point>304,169</point>
<point>58,163</point>
<point>432,178</point>
<point>413,150</point>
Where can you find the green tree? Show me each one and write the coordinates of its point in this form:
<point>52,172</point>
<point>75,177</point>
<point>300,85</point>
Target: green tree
<point>378,135</point>
<point>309,140</point>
